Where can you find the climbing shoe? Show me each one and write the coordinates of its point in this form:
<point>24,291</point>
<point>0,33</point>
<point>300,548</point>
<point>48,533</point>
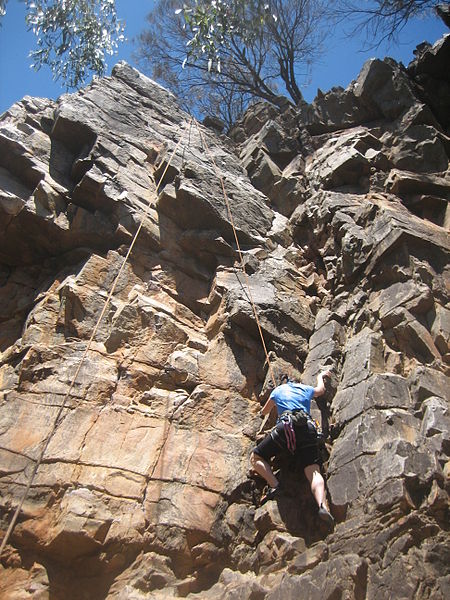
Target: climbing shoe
<point>270,495</point>
<point>326,516</point>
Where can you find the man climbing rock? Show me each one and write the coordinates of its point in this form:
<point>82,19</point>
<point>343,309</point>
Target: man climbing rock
<point>295,433</point>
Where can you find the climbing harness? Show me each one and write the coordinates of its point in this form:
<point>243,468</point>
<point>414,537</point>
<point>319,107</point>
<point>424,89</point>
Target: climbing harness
<point>300,417</point>
<point>299,429</point>
<point>289,432</point>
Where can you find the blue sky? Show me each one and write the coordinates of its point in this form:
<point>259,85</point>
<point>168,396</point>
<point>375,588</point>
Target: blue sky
<point>341,62</point>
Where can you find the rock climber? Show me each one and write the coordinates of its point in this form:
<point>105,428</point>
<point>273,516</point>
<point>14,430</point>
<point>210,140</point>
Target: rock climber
<point>296,433</point>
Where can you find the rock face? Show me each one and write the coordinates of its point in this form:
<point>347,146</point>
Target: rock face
<point>341,211</point>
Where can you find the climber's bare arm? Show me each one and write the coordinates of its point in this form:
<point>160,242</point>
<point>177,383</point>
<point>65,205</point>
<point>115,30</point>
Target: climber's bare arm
<point>266,409</point>
<point>319,390</point>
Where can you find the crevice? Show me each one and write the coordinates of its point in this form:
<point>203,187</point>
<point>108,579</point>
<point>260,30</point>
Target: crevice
<point>373,409</point>
<point>17,453</point>
<point>356,457</point>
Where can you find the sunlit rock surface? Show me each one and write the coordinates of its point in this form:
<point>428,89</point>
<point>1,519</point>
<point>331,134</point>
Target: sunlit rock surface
<point>341,211</point>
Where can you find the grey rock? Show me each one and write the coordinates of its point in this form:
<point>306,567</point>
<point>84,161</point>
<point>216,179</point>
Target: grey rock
<point>436,418</point>
<point>363,356</point>
<point>426,382</point>
<point>430,74</point>
<point>440,329</point>
<point>351,581</point>
<point>421,149</point>
<point>385,86</point>
<point>383,390</point>
<point>404,182</point>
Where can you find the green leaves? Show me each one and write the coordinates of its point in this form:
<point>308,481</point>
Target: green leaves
<point>74,37</point>
<point>212,26</point>
<point>2,8</point>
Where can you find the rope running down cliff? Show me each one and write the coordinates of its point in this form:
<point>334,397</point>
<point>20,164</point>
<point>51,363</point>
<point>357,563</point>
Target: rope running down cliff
<point>94,331</point>
<point>106,304</point>
<point>241,258</point>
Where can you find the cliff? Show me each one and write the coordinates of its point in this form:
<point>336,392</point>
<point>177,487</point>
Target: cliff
<point>143,491</point>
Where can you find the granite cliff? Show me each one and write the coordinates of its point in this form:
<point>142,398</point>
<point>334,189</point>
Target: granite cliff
<point>341,211</point>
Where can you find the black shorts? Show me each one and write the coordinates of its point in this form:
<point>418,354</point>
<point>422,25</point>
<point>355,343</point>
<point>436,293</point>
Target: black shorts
<point>307,450</point>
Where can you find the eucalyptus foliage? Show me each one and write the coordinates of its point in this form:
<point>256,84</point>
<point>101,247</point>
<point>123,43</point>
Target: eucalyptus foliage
<point>74,37</point>
<point>211,24</point>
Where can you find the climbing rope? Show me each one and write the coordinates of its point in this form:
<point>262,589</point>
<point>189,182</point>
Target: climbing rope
<point>241,258</point>
<point>77,372</point>
<point>57,420</point>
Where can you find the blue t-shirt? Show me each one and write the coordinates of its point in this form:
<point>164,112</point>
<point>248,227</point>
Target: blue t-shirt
<point>292,396</point>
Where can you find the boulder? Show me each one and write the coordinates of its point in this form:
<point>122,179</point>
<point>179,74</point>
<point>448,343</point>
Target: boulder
<point>385,86</point>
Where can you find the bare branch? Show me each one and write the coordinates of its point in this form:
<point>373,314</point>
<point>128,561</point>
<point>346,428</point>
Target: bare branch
<point>258,57</point>
<point>381,20</point>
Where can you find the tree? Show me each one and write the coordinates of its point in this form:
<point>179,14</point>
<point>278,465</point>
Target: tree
<point>73,36</point>
<point>384,19</point>
<point>234,50</point>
